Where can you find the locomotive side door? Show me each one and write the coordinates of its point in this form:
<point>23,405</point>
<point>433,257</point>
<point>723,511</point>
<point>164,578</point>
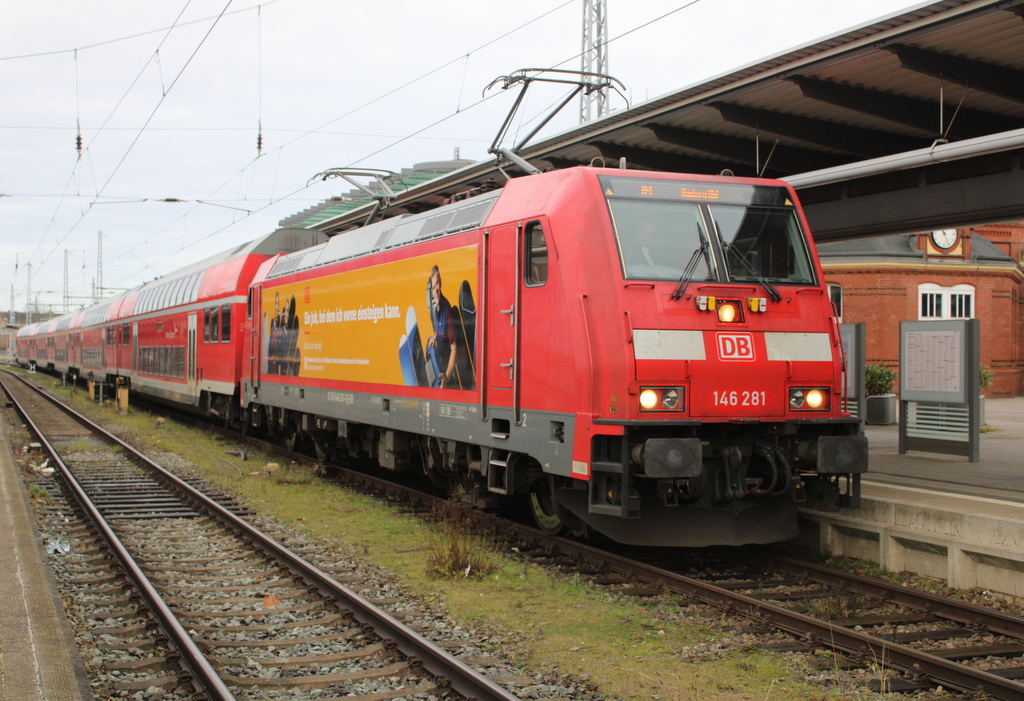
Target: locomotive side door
<point>501,330</point>
<point>190,355</point>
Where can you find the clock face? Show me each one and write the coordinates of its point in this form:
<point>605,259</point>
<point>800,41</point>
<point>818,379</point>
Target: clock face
<point>944,238</point>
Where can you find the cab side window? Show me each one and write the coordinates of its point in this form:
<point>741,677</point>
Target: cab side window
<point>536,270</point>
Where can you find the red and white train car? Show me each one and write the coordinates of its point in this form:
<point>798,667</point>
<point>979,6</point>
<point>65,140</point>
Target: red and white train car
<point>175,339</point>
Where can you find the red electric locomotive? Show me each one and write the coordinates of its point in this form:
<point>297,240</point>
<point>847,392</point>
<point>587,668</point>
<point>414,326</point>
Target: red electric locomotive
<point>650,356</point>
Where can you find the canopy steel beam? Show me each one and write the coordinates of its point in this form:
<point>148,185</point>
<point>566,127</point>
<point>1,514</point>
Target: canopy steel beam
<point>1000,81</point>
<point>784,157</point>
<point>857,141</point>
<point>910,111</point>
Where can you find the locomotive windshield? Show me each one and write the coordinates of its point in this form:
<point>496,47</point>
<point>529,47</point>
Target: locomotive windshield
<point>720,232</point>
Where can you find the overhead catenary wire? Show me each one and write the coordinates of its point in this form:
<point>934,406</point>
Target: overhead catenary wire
<point>324,128</point>
<point>99,191</point>
<point>415,133</point>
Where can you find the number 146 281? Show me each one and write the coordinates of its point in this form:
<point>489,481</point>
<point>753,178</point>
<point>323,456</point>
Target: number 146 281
<point>737,397</point>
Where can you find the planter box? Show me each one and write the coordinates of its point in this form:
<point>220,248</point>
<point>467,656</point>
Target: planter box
<point>881,409</point>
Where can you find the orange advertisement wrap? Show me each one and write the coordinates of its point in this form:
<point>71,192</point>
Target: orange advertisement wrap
<point>408,322</point>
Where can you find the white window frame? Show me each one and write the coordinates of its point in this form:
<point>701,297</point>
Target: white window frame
<point>945,296</point>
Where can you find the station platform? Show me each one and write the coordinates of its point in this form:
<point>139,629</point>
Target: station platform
<point>39,658</point>
<point>935,514</point>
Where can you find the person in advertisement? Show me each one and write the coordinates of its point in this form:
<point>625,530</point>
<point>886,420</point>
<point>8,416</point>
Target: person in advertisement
<point>442,347</point>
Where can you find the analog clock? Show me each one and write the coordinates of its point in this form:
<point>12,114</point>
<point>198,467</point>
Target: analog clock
<point>944,238</point>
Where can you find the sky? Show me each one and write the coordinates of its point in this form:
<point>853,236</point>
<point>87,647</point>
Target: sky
<point>170,98</point>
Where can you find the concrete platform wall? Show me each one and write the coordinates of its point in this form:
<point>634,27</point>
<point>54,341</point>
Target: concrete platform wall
<point>968,542</point>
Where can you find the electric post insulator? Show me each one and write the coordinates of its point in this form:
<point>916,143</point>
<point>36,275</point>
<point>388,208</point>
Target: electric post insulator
<point>78,144</point>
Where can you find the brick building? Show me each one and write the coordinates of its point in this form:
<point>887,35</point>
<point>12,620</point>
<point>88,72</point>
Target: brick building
<point>951,274</point>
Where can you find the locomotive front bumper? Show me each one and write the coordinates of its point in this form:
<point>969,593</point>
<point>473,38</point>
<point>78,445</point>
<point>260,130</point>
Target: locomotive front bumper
<point>836,455</point>
<point>672,458</point>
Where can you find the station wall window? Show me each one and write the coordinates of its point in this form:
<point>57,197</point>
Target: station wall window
<point>536,255</point>
<point>937,302</point>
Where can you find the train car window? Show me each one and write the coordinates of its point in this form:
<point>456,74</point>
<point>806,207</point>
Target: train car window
<point>206,325</point>
<point>214,324</point>
<point>178,290</point>
<point>111,335</point>
<point>126,334</point>
<point>763,242</point>
<point>183,292</point>
<point>661,240</point>
<point>536,255</point>
<point>248,305</point>
<point>225,323</point>
<point>192,289</point>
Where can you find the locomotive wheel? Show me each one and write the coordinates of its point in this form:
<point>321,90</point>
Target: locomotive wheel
<point>542,506</point>
<point>293,439</point>
<point>324,452</point>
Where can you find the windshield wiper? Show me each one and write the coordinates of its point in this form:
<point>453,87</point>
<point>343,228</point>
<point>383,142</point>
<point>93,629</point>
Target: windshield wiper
<point>691,266</point>
<point>772,292</point>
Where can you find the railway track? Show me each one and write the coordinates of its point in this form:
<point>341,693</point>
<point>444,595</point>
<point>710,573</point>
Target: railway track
<point>922,640</point>
<point>915,639</point>
<point>215,605</point>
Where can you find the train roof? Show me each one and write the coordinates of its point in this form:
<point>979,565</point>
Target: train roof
<point>179,287</point>
<point>397,231</point>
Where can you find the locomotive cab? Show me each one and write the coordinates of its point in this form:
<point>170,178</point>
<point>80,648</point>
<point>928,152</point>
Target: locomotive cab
<point>721,409</point>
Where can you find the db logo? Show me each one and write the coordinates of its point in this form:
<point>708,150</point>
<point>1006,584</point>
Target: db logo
<point>735,346</point>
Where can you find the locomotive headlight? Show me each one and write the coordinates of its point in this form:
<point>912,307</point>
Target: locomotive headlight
<point>815,398</point>
<point>648,399</point>
<point>661,399</point>
<point>808,398</point>
<point>727,313</point>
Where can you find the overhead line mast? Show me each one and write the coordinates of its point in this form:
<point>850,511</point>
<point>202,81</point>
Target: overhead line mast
<point>594,58</point>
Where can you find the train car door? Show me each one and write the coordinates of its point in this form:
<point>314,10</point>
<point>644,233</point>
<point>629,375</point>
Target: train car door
<point>135,354</point>
<point>502,310</point>
<point>190,355</point>
<point>257,353</point>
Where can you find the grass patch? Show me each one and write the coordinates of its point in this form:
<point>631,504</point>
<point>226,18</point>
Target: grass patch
<point>453,552</point>
<point>839,604</point>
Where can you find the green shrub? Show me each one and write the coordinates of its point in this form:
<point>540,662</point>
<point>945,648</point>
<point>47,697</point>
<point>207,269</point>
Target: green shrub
<point>879,379</point>
<point>985,377</point>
